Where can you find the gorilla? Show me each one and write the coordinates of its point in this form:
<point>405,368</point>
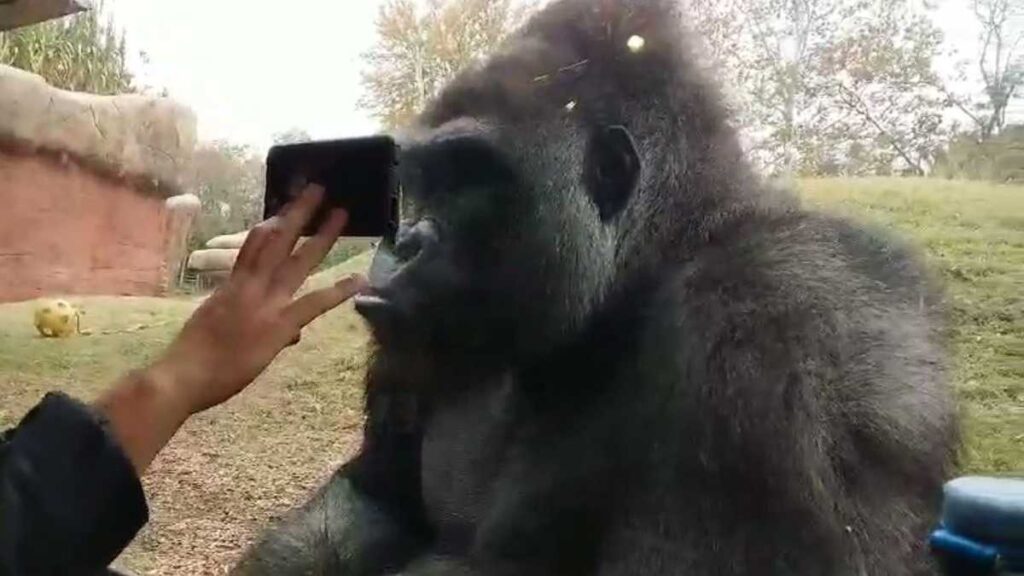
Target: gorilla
<point>605,346</point>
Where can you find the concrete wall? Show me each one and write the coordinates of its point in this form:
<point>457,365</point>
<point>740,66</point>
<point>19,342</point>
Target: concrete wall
<point>65,229</point>
<point>87,190</point>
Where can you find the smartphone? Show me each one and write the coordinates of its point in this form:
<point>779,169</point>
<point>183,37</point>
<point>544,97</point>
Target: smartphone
<point>358,174</point>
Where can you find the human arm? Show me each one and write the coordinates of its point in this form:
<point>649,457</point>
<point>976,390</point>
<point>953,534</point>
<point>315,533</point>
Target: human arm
<point>70,497</point>
<point>233,336</point>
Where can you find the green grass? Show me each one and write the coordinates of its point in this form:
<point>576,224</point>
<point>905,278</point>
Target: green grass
<point>232,469</point>
<point>973,234</point>
<point>30,365</point>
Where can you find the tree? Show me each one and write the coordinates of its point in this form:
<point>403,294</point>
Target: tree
<point>883,79</point>
<point>1000,62</point>
<point>829,86</point>
<point>292,136</point>
<point>229,180</point>
<point>82,53</point>
<point>418,51</point>
<point>786,40</point>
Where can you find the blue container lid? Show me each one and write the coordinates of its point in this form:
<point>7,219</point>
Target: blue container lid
<point>990,510</point>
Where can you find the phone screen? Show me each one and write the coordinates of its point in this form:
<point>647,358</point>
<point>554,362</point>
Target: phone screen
<point>358,175</point>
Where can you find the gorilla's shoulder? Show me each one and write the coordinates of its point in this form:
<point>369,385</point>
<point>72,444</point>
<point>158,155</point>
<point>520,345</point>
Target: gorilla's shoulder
<point>791,257</point>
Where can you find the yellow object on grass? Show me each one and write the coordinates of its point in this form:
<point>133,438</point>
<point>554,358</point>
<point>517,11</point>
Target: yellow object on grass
<point>56,319</point>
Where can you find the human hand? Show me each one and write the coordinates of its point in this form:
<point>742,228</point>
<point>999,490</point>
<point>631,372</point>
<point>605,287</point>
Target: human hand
<point>240,329</point>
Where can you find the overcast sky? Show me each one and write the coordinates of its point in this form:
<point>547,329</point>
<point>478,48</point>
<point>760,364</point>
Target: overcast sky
<point>250,69</point>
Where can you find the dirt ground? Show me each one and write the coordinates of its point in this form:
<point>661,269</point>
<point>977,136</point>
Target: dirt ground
<point>231,472</point>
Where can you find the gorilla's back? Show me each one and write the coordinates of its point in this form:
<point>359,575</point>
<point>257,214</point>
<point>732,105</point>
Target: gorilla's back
<point>810,393</point>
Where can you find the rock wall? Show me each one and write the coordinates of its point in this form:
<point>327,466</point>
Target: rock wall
<point>143,138</point>
<point>90,191</point>
<point>67,230</point>
<point>182,212</point>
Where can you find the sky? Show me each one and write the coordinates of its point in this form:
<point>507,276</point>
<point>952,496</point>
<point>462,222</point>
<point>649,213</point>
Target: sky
<point>251,69</point>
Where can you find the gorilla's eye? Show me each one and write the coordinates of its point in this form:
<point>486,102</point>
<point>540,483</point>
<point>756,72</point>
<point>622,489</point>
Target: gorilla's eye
<point>611,169</point>
<point>465,161</point>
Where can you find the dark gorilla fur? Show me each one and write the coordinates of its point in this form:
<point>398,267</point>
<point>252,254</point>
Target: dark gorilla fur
<point>606,347</point>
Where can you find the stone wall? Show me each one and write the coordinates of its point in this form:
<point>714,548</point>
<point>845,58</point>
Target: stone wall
<point>67,230</point>
<point>90,194</point>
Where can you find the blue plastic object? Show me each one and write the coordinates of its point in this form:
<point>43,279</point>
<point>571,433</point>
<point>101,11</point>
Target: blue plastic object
<point>979,557</point>
<point>982,528</point>
<point>990,509</point>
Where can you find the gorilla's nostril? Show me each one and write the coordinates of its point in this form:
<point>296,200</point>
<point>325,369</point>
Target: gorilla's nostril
<point>408,248</point>
<point>412,240</point>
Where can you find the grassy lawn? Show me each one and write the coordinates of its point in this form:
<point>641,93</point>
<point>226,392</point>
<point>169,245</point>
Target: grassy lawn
<point>233,469</point>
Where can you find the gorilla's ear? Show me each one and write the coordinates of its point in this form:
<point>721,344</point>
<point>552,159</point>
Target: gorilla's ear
<point>612,169</point>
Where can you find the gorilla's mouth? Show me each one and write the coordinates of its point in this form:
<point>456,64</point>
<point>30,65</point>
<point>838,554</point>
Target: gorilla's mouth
<point>397,273</point>
<point>387,319</point>
<point>373,306</point>
<point>378,304</point>
<point>370,301</point>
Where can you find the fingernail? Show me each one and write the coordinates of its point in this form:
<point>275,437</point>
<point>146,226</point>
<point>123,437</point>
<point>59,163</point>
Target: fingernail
<point>357,281</point>
<point>314,189</point>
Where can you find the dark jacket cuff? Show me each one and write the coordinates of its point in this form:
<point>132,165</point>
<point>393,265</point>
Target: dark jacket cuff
<point>70,500</point>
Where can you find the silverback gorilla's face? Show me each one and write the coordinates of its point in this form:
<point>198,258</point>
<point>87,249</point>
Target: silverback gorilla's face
<point>525,195</point>
<point>504,250</point>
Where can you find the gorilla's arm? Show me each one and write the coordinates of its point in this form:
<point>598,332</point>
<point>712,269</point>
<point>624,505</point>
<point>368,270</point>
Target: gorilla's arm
<point>367,518</point>
<point>339,531</point>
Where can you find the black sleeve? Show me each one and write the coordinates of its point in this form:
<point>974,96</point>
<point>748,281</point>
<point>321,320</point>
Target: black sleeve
<point>69,498</point>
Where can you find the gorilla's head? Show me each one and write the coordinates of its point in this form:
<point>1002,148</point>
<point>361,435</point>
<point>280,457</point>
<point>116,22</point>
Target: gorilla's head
<point>562,171</point>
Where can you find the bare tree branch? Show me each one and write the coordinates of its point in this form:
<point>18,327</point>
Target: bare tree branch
<point>997,60</point>
<point>857,103</point>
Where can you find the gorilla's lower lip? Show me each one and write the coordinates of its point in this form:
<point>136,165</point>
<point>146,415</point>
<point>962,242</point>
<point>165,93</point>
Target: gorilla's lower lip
<point>374,307</point>
<point>370,301</point>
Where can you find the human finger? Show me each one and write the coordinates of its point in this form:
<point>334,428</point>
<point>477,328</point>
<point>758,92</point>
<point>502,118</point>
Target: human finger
<point>289,228</point>
<point>311,253</point>
<point>312,305</point>
<point>248,255</point>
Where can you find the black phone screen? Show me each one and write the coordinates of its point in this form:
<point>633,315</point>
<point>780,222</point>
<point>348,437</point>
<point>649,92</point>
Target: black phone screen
<point>358,175</point>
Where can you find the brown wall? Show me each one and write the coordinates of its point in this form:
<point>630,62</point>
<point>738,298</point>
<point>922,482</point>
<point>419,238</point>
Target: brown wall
<point>67,230</point>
